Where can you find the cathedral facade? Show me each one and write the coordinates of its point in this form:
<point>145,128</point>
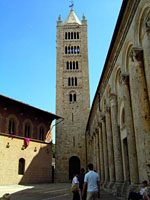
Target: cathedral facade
<point>118,127</point>
<point>72,95</point>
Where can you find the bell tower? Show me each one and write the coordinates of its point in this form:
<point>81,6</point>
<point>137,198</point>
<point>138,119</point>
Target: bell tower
<point>72,95</point>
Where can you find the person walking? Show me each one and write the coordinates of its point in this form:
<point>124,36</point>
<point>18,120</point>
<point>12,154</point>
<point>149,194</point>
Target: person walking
<point>81,182</point>
<point>75,187</point>
<point>92,181</point>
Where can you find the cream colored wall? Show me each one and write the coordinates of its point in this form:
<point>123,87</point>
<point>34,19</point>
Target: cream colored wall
<point>37,163</point>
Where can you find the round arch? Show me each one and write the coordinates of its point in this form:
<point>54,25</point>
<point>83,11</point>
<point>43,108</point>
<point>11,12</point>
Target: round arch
<point>74,166</point>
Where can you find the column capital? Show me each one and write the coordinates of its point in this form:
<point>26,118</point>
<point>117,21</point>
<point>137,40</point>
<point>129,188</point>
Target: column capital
<point>96,130</point>
<point>124,79</point>
<point>136,54</point>
<point>107,108</point>
<point>147,22</point>
<point>113,97</point>
<point>102,117</point>
<point>99,124</point>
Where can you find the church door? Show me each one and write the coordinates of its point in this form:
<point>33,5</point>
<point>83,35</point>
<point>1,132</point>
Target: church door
<point>74,166</point>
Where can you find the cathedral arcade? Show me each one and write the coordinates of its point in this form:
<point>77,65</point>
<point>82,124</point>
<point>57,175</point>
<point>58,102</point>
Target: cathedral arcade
<point>118,128</point>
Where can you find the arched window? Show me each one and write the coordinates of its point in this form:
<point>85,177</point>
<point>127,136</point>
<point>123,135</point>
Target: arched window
<point>71,35</point>
<point>41,133</point>
<point>78,50</point>
<point>27,133</point>
<point>73,64</point>
<point>67,65</point>
<point>76,64</point>
<point>71,50</point>
<point>68,50</point>
<point>69,81</point>
<point>74,96</point>
<point>66,35</point>
<point>75,81</point>
<point>74,35</point>
<point>77,35</point>
<point>70,65</point>
<point>21,166</point>
<point>11,126</point>
<point>75,50</point>
<point>65,50</point>
<point>72,81</point>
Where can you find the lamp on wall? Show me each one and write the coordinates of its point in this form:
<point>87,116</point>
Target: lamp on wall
<point>35,149</point>
<point>23,147</point>
<point>8,145</point>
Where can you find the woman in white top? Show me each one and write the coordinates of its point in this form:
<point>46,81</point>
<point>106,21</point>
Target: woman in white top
<point>75,184</point>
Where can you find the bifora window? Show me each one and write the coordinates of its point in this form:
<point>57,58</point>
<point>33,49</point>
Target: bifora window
<point>72,97</point>
<point>11,126</point>
<point>21,166</point>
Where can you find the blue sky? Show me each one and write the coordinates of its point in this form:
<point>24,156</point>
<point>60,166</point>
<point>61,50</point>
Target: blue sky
<point>28,45</point>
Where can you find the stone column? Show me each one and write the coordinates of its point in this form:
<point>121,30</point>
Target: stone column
<point>130,129</point>
<point>105,149</point>
<point>146,48</point>
<point>110,145</point>
<point>90,151</point>
<point>98,146</point>
<point>93,151</point>
<point>116,139</point>
<point>94,155</point>
<point>141,112</point>
<point>98,150</point>
<point>102,173</point>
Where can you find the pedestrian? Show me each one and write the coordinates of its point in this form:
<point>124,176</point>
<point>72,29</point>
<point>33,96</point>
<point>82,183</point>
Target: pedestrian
<point>6,196</point>
<point>138,194</point>
<point>92,181</point>
<point>81,182</point>
<point>75,187</point>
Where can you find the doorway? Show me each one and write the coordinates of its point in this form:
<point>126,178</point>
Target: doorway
<point>74,166</point>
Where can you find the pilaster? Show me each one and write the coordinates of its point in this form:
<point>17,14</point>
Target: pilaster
<point>130,129</point>
<point>116,139</point>
<point>110,145</point>
<point>102,173</point>
<point>142,114</point>
<point>105,148</point>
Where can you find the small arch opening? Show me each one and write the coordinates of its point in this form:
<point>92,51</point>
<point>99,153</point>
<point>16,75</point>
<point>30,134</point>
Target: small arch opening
<point>21,166</point>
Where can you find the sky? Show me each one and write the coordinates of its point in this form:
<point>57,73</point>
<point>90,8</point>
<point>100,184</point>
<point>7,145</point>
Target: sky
<point>28,46</point>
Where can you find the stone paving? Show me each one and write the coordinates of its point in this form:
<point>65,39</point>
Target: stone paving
<point>57,191</point>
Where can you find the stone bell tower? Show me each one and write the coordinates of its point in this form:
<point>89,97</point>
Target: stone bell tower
<point>72,95</point>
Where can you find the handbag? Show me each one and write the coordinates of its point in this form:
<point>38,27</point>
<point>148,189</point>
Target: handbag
<point>73,188</point>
